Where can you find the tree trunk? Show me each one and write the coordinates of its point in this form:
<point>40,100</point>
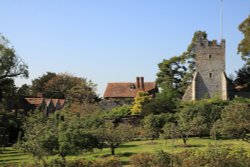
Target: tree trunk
<point>184,141</point>
<point>112,150</point>
<point>63,160</point>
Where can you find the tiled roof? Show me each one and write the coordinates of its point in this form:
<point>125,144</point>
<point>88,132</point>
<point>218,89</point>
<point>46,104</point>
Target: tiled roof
<point>55,101</point>
<point>38,101</point>
<point>61,101</point>
<point>35,101</point>
<point>126,89</point>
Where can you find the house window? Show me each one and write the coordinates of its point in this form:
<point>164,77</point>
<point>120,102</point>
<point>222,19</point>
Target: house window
<point>132,86</point>
<point>210,75</point>
<point>209,56</point>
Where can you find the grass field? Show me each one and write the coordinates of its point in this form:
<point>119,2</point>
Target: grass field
<point>10,155</point>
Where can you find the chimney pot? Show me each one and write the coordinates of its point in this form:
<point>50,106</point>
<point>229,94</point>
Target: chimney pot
<point>142,83</point>
<point>137,82</point>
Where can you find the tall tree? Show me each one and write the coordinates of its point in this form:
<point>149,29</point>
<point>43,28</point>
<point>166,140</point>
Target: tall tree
<point>64,85</point>
<point>178,70</point>
<point>244,45</point>
<point>10,64</point>
<point>38,84</point>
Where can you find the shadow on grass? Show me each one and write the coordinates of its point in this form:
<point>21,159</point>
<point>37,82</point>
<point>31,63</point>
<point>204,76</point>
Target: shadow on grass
<point>12,160</point>
<point>11,155</point>
<point>127,146</point>
<point>126,154</point>
<point>124,162</point>
<point>190,145</point>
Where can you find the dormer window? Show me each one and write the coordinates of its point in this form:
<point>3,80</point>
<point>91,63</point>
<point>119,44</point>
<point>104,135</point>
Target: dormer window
<point>132,86</point>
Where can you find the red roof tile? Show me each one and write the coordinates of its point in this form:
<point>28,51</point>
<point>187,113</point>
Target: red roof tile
<point>126,89</point>
<point>35,101</point>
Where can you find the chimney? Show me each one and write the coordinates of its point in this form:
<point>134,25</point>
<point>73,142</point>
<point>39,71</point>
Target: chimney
<point>137,82</point>
<point>142,83</point>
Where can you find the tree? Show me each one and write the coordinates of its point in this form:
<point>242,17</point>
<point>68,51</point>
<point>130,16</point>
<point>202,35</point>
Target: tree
<point>10,64</point>
<point>196,118</point>
<point>118,112</point>
<point>38,84</point>
<point>235,121</point>
<point>243,77</point>
<point>73,137</point>
<point>61,134</point>
<point>153,124</point>
<point>34,136</point>
<point>165,101</point>
<point>24,90</point>
<point>178,70</point>
<point>140,99</point>
<point>244,45</point>
<point>113,136</point>
<point>74,89</point>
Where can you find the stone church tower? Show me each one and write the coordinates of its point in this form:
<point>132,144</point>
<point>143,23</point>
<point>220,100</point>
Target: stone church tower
<point>210,78</point>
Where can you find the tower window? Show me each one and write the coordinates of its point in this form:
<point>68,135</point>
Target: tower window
<point>210,75</point>
<point>209,56</point>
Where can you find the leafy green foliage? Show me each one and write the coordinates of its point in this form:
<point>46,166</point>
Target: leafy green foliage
<point>178,70</point>
<point>119,112</point>
<point>235,121</point>
<point>243,77</point>
<point>219,156</point>
<point>153,124</point>
<point>10,64</point>
<point>34,136</point>
<point>140,99</point>
<point>62,134</point>
<point>244,45</point>
<point>75,89</point>
<point>165,101</point>
<point>112,136</point>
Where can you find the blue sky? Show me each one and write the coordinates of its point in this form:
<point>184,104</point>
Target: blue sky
<point>114,40</point>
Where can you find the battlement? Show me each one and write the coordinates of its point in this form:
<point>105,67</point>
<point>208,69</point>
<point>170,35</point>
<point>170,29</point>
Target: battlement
<point>211,44</point>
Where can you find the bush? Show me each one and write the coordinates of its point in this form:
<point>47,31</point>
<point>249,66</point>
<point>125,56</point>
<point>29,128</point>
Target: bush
<point>142,160</point>
<point>119,112</point>
<point>219,156</point>
<point>107,162</point>
<point>162,159</point>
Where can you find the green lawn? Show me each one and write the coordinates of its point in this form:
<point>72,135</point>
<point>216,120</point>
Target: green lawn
<point>10,155</point>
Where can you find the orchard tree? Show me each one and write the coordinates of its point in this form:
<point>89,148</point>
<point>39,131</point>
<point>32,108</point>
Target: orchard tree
<point>113,136</point>
<point>152,125</point>
<point>63,133</point>
<point>34,137</point>
<point>235,121</point>
<point>244,45</point>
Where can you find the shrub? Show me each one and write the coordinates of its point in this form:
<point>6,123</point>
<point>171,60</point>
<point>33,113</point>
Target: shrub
<point>107,162</point>
<point>162,159</point>
<point>219,156</point>
<point>142,160</point>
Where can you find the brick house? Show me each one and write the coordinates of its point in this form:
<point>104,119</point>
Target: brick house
<point>119,93</point>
